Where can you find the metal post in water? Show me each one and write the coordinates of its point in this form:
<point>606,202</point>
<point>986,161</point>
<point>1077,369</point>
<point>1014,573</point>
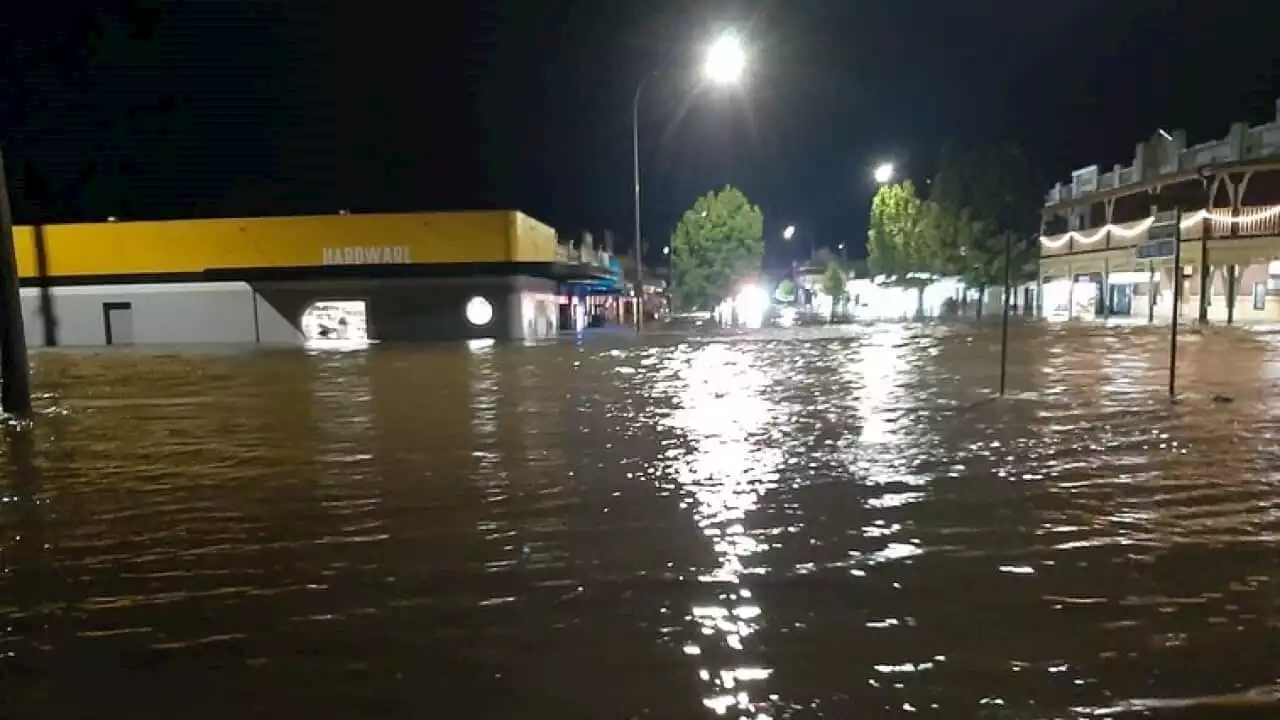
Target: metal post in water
<point>1177,301</point>
<point>1232,291</point>
<point>1206,275</point>
<point>15,384</point>
<point>1151,292</point>
<point>1106,289</point>
<point>1004,323</point>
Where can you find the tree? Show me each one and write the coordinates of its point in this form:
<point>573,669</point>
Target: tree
<point>835,284</point>
<point>718,243</point>
<point>893,233</point>
<point>786,291</point>
<point>987,196</point>
<point>904,239</point>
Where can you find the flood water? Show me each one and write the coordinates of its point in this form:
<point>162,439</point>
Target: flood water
<point>777,524</point>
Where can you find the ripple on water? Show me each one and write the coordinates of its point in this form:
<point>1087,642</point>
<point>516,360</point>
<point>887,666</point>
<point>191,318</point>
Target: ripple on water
<point>799,523</point>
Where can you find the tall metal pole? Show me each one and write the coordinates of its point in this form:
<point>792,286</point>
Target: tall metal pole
<point>1004,323</point>
<point>1205,274</point>
<point>15,385</point>
<point>635,168</point>
<point>1151,291</point>
<point>1177,303</point>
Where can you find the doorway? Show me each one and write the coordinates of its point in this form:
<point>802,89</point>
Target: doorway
<point>1121,299</point>
<point>336,321</point>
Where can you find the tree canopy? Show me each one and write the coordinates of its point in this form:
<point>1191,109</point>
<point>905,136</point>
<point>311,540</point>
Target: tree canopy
<point>786,291</point>
<point>988,192</point>
<point>980,198</point>
<point>834,284</point>
<point>900,240</point>
<point>718,243</point>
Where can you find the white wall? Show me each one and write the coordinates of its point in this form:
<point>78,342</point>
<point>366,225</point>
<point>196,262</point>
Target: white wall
<point>237,313</point>
<point>163,313</point>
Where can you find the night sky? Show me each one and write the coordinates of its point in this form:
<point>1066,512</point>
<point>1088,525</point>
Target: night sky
<point>254,107</point>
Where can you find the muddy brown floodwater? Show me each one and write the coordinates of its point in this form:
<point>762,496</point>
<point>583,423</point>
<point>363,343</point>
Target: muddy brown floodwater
<point>778,524</point>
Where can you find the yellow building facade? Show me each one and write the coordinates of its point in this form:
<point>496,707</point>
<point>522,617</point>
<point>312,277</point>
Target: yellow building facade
<point>291,280</point>
<point>176,248</point>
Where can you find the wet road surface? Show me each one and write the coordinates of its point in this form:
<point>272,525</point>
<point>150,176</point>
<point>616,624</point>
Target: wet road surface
<point>777,524</point>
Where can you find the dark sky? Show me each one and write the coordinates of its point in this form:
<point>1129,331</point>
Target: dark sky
<point>236,107</point>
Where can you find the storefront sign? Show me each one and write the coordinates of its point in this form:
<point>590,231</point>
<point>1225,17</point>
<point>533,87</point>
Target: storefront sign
<point>386,255</point>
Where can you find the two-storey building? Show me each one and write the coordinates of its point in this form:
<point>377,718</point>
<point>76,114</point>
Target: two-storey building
<point>1107,245</point>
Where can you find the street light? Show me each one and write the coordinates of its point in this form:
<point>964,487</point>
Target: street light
<point>725,64</point>
<point>789,233</point>
<point>884,173</point>
<point>726,60</point>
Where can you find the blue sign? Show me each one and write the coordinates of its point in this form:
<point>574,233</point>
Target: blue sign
<point>1167,231</point>
<point>1155,250</point>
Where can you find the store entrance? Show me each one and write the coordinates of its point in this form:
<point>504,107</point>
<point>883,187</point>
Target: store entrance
<point>340,321</point>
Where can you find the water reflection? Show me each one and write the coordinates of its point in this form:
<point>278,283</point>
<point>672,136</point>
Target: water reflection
<point>730,435</point>
<point>799,523</point>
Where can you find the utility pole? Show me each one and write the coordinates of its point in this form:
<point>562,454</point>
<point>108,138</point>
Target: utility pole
<point>15,385</point>
<point>635,169</point>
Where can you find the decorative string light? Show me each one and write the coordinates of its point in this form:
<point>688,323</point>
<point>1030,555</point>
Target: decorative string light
<point>1126,232</point>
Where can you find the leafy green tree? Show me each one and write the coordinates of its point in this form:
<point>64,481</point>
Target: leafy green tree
<point>835,285</point>
<point>785,292</point>
<point>905,238</point>
<point>718,243</point>
<point>893,242</point>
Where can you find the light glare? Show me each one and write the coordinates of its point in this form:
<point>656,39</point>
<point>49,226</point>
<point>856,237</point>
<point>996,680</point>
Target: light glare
<point>884,173</point>
<point>726,60</point>
<point>479,311</point>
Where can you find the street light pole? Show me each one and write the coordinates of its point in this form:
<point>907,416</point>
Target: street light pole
<point>635,168</point>
<point>724,64</point>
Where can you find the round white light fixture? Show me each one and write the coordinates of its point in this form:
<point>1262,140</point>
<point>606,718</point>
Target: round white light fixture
<point>479,311</point>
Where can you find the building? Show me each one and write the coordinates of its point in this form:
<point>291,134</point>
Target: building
<point>290,280</point>
<point>1107,245</point>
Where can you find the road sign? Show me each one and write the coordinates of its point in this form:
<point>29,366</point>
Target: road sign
<point>1166,231</point>
<point>1162,239</point>
<point>1156,250</point>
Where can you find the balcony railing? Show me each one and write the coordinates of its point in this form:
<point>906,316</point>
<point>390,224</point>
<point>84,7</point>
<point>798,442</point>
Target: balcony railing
<point>580,255</point>
<point>1241,143</point>
<point>1253,221</point>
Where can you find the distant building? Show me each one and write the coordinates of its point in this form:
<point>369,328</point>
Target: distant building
<point>291,280</point>
<point>1107,243</point>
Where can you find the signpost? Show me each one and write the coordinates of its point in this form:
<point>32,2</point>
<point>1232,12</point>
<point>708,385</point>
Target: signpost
<point>1164,240</point>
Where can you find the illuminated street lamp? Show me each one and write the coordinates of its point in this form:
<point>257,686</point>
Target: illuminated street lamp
<point>725,64</point>
<point>726,60</point>
<point>789,233</point>
<point>884,173</point>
